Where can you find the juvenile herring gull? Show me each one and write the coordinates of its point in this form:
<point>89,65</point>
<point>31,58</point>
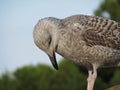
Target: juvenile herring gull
<point>90,41</point>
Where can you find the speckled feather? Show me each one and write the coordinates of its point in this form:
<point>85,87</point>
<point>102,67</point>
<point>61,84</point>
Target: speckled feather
<point>96,30</point>
<point>83,39</point>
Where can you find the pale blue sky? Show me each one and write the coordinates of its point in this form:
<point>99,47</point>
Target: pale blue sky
<point>17,20</point>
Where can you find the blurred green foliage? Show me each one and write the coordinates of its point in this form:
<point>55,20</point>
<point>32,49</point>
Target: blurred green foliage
<point>69,76</point>
<point>43,77</point>
<point>110,9</point>
<point>7,82</point>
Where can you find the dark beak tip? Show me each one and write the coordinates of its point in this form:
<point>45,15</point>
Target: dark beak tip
<point>54,64</point>
<point>53,61</point>
<point>56,67</point>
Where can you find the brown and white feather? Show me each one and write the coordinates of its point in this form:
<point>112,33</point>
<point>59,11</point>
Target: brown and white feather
<point>96,30</point>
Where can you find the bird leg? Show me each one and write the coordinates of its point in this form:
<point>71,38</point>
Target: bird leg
<point>91,78</point>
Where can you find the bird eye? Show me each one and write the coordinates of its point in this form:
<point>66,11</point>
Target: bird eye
<point>49,40</point>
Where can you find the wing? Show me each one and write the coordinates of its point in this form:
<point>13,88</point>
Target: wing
<point>96,30</point>
<point>93,38</point>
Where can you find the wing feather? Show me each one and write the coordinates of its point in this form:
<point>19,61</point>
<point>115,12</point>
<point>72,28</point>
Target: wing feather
<point>96,30</point>
<point>93,38</point>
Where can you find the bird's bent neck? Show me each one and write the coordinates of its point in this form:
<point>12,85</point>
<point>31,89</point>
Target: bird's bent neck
<point>52,26</point>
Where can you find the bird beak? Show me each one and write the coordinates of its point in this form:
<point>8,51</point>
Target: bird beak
<point>53,60</point>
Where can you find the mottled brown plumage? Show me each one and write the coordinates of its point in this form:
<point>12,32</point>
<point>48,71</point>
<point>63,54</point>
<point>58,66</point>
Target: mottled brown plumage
<point>90,41</point>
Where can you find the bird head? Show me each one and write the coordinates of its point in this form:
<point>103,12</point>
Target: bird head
<point>46,38</point>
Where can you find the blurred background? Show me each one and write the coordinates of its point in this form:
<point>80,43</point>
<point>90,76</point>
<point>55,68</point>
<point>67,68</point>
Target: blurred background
<point>17,21</point>
<point>24,67</point>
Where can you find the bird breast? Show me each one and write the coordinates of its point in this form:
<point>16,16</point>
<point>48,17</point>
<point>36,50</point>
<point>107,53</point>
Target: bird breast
<point>73,47</point>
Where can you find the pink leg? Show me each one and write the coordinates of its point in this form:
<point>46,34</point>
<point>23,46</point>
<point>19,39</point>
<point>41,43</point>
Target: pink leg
<point>91,78</point>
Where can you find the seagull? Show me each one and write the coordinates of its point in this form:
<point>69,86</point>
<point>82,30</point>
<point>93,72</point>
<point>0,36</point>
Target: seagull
<point>90,41</point>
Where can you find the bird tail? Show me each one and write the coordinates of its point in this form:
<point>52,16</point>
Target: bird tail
<point>115,63</point>
<point>118,64</point>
